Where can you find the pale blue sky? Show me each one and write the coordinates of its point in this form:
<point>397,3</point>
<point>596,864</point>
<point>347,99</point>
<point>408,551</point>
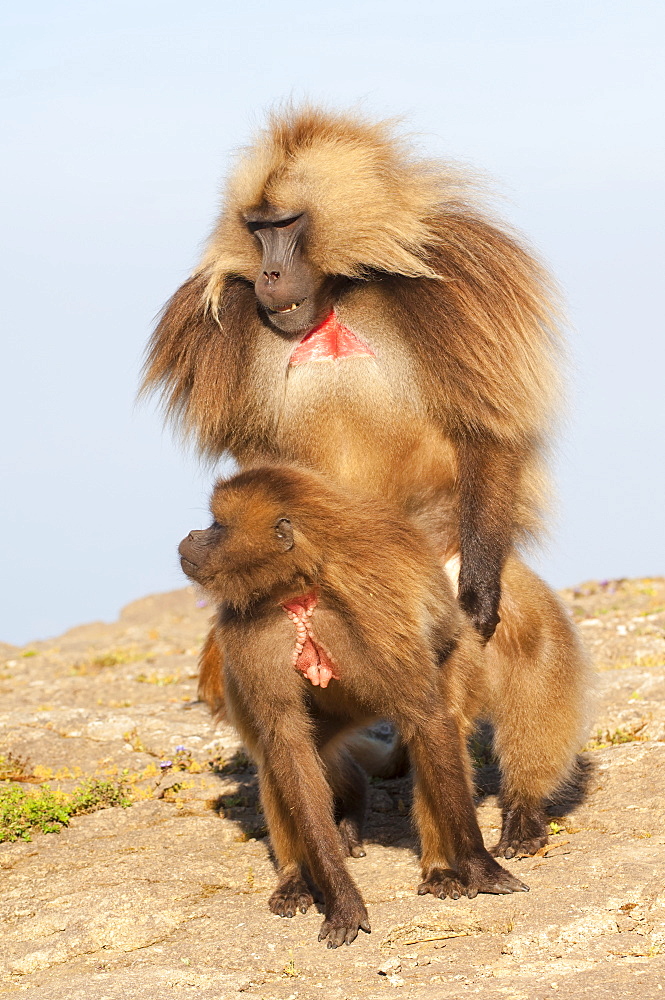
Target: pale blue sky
<point>118,121</point>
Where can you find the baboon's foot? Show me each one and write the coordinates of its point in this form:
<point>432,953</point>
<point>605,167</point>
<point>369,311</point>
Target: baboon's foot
<point>290,896</point>
<point>343,921</point>
<point>524,832</point>
<point>352,843</point>
<point>478,874</point>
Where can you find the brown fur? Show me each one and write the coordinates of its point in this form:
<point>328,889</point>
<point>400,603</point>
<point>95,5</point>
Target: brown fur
<point>211,675</point>
<point>459,315</point>
<point>387,615</point>
<point>449,420</point>
<point>479,316</point>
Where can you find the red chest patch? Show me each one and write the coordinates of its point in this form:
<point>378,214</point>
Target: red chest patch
<point>330,341</point>
<point>309,656</point>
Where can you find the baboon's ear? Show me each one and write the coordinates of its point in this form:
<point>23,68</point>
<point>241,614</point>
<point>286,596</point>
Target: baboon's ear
<point>284,532</point>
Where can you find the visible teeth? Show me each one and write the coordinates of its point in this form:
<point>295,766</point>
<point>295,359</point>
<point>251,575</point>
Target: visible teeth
<point>286,309</point>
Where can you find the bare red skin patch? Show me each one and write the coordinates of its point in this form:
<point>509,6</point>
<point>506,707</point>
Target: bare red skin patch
<point>309,658</point>
<point>330,341</point>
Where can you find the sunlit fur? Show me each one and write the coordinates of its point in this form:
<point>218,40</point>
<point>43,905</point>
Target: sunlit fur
<point>387,617</point>
<point>475,306</point>
<point>325,164</point>
<point>449,421</point>
<point>345,546</point>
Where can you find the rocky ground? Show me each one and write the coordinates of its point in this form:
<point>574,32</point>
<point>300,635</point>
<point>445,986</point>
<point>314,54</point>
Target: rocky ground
<point>166,896</point>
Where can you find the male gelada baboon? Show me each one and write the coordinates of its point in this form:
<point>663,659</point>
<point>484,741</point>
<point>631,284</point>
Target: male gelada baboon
<point>355,313</point>
<point>334,611</point>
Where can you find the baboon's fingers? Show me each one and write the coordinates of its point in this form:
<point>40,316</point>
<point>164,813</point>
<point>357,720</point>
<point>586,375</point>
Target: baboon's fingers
<point>483,876</point>
<point>344,931</point>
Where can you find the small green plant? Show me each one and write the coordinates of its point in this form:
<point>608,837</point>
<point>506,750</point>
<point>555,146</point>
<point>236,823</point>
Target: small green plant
<point>22,811</point>
<point>605,739</point>
<point>481,752</point>
<point>29,652</point>
<point>233,801</point>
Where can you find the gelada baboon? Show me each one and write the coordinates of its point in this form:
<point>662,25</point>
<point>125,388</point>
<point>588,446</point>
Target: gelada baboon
<point>355,313</point>
<point>333,612</point>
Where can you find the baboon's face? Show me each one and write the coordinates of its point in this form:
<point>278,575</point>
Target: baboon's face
<point>245,551</point>
<point>293,293</point>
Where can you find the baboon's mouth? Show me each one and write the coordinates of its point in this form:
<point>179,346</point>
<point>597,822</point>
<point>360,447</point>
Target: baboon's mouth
<point>188,567</point>
<point>289,308</point>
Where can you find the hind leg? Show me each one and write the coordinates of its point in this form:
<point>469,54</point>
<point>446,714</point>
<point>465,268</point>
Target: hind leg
<point>349,786</point>
<point>539,679</point>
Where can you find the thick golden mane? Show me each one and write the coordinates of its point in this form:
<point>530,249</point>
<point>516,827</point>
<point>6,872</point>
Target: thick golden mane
<point>371,203</point>
<point>474,307</point>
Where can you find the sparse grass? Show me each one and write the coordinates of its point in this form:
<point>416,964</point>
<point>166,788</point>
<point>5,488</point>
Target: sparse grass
<point>15,768</point>
<point>136,742</point>
<point>29,652</point>
<point>290,970</point>
<point>239,762</point>
<point>481,752</point>
<point>170,794</point>
<point>160,680</point>
<point>605,739</point>
<point>233,801</point>
<point>256,832</point>
<point>645,660</point>
<point>113,658</point>
<point>22,812</point>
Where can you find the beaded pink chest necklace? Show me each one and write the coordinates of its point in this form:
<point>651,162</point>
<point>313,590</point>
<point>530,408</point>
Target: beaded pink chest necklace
<point>309,656</point>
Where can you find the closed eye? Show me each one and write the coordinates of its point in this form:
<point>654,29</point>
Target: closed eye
<point>255,224</point>
<point>283,223</point>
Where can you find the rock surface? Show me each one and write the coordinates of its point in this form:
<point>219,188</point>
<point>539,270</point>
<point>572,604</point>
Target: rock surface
<point>168,897</point>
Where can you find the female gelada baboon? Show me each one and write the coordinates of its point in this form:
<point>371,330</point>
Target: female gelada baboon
<point>355,313</point>
<point>334,611</point>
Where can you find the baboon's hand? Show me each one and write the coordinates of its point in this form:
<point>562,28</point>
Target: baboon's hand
<point>481,603</point>
<point>343,921</point>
